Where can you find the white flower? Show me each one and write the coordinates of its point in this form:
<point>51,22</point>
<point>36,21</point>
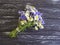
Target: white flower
<point>36,17</point>
<point>17,29</point>
<point>23,22</point>
<point>36,28</point>
<point>33,9</point>
<point>30,18</point>
<point>27,14</point>
<point>40,25</point>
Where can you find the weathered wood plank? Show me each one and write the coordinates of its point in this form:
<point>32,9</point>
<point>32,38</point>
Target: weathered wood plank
<point>19,5</point>
<point>8,21</point>
<point>8,24</point>
<point>50,12</point>
<point>8,12</point>
<point>50,24</point>
<point>47,13</point>
<point>9,17</point>
<point>7,28</point>
<point>11,6</point>
<point>31,39</point>
<point>51,16</point>
<point>43,1</point>
<point>39,3</point>
<point>16,1</point>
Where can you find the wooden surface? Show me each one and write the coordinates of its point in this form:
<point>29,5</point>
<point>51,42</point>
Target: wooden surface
<point>50,35</point>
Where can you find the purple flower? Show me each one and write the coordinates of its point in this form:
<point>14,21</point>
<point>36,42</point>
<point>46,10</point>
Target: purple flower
<point>40,18</point>
<point>43,21</point>
<point>21,12</point>
<point>38,13</point>
<point>23,17</point>
<point>32,14</point>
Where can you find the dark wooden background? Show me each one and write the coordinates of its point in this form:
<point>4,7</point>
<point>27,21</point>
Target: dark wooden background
<point>50,35</point>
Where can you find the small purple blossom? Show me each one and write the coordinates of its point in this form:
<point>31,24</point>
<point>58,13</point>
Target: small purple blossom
<point>21,12</point>
<point>23,17</point>
<point>40,18</point>
<point>32,14</point>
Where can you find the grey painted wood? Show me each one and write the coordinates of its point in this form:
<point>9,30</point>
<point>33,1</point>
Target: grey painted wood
<point>50,35</point>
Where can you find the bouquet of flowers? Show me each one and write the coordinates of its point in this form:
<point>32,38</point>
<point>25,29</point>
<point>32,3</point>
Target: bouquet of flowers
<point>28,18</point>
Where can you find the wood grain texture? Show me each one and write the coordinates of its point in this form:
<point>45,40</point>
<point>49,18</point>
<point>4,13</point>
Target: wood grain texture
<point>50,35</point>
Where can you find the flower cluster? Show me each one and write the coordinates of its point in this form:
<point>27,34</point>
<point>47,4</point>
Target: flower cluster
<point>30,17</point>
<point>32,14</point>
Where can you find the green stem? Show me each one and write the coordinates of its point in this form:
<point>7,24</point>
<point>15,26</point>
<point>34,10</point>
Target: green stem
<point>21,29</point>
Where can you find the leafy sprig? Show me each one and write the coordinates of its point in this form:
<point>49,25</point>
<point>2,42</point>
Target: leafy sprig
<point>20,29</point>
